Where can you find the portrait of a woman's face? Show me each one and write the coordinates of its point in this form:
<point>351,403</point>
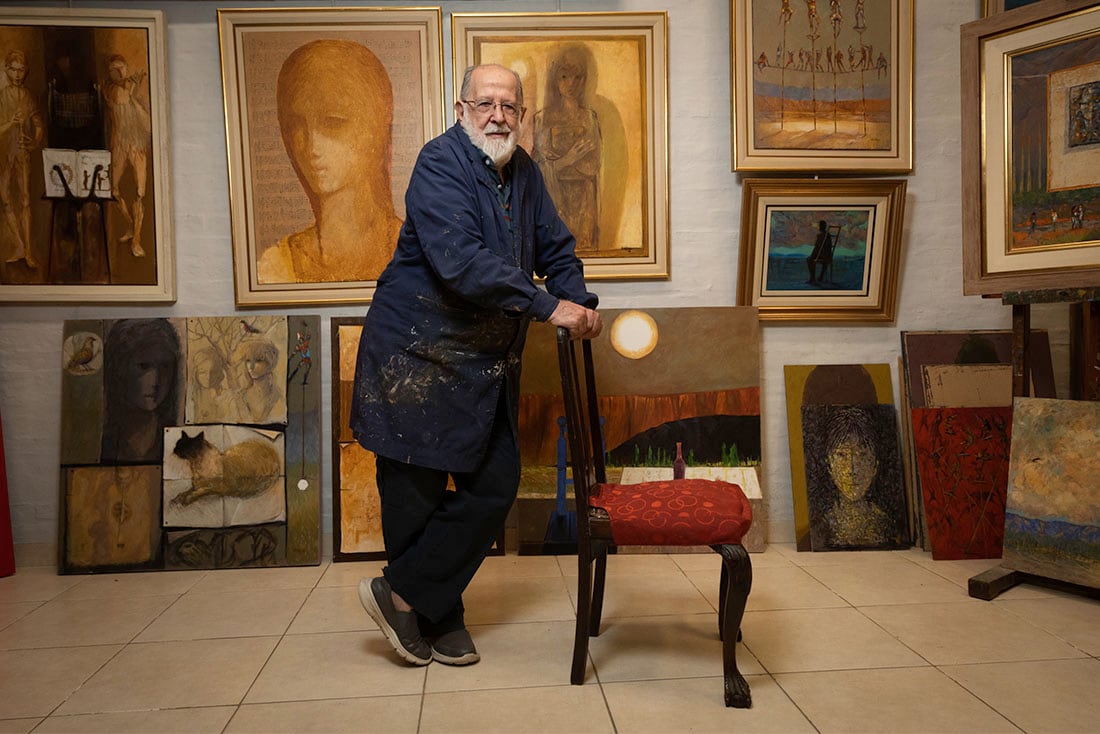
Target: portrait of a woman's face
<point>570,79</point>
<point>335,108</point>
<point>150,376</point>
<point>323,145</point>
<point>852,466</point>
<point>258,366</point>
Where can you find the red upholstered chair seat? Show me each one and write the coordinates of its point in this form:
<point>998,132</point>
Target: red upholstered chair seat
<point>675,512</point>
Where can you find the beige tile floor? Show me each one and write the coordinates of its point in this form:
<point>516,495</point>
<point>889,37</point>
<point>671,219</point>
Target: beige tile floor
<point>837,642</point>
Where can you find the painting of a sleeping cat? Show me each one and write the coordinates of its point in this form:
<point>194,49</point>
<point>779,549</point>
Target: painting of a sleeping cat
<point>245,469</point>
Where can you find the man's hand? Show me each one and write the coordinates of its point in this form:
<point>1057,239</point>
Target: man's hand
<point>582,323</point>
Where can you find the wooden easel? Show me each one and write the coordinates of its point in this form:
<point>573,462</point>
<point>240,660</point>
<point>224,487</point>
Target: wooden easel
<point>1084,385</point>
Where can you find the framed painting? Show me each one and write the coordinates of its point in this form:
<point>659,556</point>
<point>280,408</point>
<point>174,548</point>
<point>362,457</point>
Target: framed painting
<point>596,122</point>
<point>991,7</point>
<point>85,179</point>
<point>189,443</point>
<point>814,250</point>
<point>822,86</point>
<point>1031,148</point>
<point>326,110</point>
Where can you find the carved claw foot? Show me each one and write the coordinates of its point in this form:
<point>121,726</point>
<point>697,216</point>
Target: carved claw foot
<point>737,691</point>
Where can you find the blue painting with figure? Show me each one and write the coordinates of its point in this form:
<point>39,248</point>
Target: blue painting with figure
<point>818,249</point>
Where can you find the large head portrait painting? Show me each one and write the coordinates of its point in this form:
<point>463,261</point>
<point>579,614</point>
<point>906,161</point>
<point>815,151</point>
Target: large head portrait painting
<point>85,206</point>
<point>595,89</point>
<point>326,112</point>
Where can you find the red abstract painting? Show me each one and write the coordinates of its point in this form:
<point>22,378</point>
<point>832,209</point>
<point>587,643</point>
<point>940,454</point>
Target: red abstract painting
<point>962,459</point>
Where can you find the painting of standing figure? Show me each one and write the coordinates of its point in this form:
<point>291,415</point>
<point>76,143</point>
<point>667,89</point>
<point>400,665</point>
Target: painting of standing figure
<point>85,204</point>
<point>819,249</point>
<point>568,147</point>
<point>595,123</point>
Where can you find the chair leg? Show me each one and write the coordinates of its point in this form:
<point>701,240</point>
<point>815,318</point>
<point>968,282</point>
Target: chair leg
<point>733,595</point>
<point>723,592</point>
<point>584,608</point>
<point>597,590</point>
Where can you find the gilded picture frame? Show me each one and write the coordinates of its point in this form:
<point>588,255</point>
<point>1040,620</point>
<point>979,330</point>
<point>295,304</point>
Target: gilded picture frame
<point>821,250</point>
<point>87,176</point>
<point>601,139</point>
<point>992,7</point>
<point>1031,149</point>
<point>820,86</point>
<point>312,98</point>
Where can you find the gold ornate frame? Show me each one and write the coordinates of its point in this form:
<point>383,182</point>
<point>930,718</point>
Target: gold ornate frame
<point>889,149</point>
<point>149,277</point>
<point>992,7</point>
<point>1002,249</point>
<point>777,218</point>
<point>267,201</point>
<point>627,89</point>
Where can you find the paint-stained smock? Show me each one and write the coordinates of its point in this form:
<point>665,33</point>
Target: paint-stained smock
<point>446,328</point>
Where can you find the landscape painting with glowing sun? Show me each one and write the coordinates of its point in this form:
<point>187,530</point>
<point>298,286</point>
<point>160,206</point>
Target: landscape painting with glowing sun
<point>665,376</point>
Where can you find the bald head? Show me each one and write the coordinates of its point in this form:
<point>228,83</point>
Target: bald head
<point>485,71</point>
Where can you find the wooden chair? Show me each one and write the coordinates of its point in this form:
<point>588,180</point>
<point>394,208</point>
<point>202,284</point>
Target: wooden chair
<point>606,518</point>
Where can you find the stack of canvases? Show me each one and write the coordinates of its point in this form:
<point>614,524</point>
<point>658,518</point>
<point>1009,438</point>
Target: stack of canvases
<point>958,390</point>
<point>189,443</point>
<point>846,478</point>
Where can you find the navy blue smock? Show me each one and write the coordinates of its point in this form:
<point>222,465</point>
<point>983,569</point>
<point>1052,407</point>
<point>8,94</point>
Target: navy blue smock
<point>446,328</point>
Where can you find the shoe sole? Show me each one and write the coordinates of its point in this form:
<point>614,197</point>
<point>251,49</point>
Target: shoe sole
<point>468,659</point>
<point>366,598</point>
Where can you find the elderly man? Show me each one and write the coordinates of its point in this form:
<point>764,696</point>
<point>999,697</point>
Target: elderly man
<point>437,377</point>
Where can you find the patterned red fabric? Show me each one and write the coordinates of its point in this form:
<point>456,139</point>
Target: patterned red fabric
<point>676,512</point>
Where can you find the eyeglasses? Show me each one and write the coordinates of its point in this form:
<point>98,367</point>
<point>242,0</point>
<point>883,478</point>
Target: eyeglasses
<point>484,107</point>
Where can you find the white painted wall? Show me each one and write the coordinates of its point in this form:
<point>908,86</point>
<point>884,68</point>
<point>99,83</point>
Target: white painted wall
<point>705,217</point>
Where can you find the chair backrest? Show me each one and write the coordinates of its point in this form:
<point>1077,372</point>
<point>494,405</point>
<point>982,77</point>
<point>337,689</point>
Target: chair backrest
<point>834,237</point>
<point>582,419</point>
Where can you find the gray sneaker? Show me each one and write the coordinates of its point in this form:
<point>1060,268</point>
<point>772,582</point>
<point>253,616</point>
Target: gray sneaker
<point>455,648</point>
<point>400,628</point>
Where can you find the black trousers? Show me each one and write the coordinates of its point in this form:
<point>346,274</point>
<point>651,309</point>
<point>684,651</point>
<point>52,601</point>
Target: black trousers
<point>436,539</point>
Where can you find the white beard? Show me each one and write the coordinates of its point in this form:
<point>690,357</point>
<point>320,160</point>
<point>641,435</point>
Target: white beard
<point>499,150</point>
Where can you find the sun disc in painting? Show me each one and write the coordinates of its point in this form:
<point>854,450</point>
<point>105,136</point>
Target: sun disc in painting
<point>634,334</point>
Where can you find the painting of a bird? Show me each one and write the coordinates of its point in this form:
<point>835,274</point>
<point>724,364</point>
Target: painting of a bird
<point>81,360</point>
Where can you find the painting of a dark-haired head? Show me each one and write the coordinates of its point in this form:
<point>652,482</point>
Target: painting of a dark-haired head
<point>853,477</point>
<point>141,387</point>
